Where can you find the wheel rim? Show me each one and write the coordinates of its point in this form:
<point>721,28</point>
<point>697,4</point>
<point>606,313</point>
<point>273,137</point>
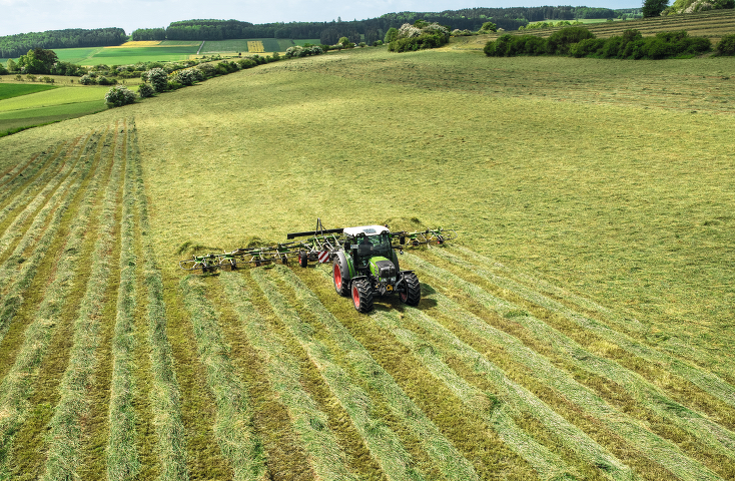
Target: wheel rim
<point>355,297</point>
<point>404,296</point>
<point>337,276</point>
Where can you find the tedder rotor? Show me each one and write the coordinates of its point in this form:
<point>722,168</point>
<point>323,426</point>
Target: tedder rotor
<point>364,258</point>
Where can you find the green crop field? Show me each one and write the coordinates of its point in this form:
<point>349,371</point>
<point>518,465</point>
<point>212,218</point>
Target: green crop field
<point>44,103</point>
<point>241,45</point>
<point>14,90</point>
<point>580,327</point>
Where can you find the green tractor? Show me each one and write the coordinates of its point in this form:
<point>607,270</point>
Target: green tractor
<point>366,265</point>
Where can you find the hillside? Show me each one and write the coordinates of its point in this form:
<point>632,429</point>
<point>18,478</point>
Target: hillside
<point>579,328</point>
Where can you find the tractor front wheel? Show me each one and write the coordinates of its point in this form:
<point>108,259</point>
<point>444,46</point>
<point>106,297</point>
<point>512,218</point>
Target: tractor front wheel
<point>411,289</point>
<point>341,279</point>
<point>362,295</point>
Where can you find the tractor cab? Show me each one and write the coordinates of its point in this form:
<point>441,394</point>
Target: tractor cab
<point>367,242</point>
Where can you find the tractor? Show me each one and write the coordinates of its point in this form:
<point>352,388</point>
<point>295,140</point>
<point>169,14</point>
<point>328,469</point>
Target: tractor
<point>366,265</point>
<point>364,259</point>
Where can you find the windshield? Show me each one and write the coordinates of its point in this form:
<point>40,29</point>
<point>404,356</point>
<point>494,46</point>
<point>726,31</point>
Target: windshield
<point>376,245</point>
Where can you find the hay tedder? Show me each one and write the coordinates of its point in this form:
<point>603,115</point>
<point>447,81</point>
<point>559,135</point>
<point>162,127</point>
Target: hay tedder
<point>365,261</point>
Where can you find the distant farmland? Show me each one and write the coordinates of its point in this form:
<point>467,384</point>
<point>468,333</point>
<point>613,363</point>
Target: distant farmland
<point>241,45</point>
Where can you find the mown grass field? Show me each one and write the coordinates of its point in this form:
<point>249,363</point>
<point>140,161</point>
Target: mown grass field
<point>579,328</point>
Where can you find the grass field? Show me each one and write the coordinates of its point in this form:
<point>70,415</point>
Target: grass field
<point>242,45</point>
<point>44,104</point>
<point>14,90</point>
<point>579,328</point>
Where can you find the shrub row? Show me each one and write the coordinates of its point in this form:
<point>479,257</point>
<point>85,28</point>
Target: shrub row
<point>580,42</point>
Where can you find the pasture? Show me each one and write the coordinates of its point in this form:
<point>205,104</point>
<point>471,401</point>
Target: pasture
<point>580,328</point>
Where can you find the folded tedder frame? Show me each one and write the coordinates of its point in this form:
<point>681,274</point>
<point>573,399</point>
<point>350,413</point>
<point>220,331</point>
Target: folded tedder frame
<point>320,245</point>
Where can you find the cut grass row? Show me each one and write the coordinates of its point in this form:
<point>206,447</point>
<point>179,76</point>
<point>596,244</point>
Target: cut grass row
<point>33,247</point>
<point>283,373</point>
<point>122,456</point>
<point>65,430</point>
<point>658,448</point>
<point>36,211</point>
<point>22,187</point>
<point>705,380</point>
<point>496,408</point>
<point>363,368</point>
<point>18,383</point>
<point>233,426</point>
<point>165,393</point>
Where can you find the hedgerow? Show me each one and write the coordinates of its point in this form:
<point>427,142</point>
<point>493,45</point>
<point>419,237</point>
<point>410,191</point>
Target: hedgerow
<point>580,42</point>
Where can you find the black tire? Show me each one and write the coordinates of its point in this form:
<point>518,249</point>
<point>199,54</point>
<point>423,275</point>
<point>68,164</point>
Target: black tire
<point>303,259</point>
<point>410,290</point>
<point>341,277</point>
<point>362,295</point>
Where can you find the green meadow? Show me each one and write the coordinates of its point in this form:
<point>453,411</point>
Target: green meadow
<point>14,90</point>
<point>580,327</point>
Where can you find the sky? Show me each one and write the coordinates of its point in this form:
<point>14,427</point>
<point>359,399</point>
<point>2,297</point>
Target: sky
<point>22,16</point>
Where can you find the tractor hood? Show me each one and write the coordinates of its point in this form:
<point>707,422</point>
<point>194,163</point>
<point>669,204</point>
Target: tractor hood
<point>383,268</point>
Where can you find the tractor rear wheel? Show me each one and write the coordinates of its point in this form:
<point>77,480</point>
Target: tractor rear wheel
<point>303,259</point>
<point>362,295</point>
<point>411,289</point>
<point>341,278</point>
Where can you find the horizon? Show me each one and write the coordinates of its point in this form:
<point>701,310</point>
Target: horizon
<point>20,17</point>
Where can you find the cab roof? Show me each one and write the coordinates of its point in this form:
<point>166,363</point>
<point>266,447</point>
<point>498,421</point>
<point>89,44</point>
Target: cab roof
<point>369,230</point>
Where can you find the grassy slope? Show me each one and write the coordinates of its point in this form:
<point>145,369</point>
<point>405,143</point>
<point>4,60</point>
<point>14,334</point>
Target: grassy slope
<point>594,176</point>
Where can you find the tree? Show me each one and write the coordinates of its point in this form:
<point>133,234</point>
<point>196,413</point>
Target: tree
<point>391,35</point>
<point>119,96</point>
<point>653,8</point>
<point>38,60</point>
<point>488,27</point>
<point>158,79</point>
<point>11,65</point>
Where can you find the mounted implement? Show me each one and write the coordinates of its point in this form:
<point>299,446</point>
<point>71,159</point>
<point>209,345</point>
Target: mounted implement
<point>365,260</point>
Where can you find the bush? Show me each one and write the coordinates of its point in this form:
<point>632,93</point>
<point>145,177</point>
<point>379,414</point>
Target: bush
<point>726,45</point>
<point>106,81</point>
<point>145,90</point>
<point>247,63</point>
<point>589,47</point>
<point>560,41</point>
<point>158,79</point>
<point>119,96</point>
<point>173,85</point>
<point>185,77</point>
<point>87,79</point>
<point>3,70</point>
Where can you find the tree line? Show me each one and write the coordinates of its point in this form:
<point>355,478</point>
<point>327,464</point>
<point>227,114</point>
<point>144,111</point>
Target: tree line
<point>13,46</point>
<point>369,30</point>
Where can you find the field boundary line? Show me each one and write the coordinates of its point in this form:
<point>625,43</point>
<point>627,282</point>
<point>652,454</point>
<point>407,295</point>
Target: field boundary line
<point>65,432</point>
<point>441,451</point>
<point>308,421</point>
<point>657,448</point>
<point>165,394</point>
<point>18,383</point>
<point>708,382</point>
<point>233,426</point>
